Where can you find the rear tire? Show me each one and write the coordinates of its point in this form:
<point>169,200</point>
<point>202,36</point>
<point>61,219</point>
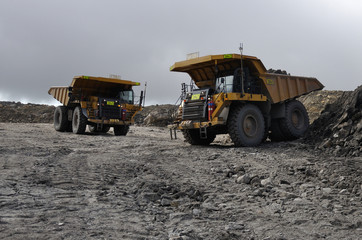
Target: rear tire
<point>276,134</point>
<point>121,130</point>
<point>296,120</point>
<point>246,125</point>
<point>79,122</point>
<point>192,136</point>
<point>60,118</point>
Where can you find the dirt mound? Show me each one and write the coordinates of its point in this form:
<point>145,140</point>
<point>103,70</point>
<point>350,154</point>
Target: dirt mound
<point>338,130</point>
<point>16,112</point>
<point>156,115</point>
<point>315,102</point>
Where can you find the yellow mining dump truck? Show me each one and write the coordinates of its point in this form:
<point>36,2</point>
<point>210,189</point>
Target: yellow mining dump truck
<point>249,103</point>
<point>98,102</point>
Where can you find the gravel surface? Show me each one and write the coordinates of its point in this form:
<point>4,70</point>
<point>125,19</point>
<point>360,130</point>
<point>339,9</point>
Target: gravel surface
<point>57,185</point>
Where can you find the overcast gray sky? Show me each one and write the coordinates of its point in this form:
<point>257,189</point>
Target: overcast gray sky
<point>45,43</point>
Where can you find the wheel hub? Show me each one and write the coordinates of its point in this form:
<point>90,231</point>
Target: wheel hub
<point>250,126</point>
<point>297,119</point>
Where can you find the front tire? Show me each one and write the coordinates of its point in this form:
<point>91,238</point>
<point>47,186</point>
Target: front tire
<point>192,136</point>
<point>60,118</point>
<point>79,122</point>
<point>121,130</point>
<point>246,125</point>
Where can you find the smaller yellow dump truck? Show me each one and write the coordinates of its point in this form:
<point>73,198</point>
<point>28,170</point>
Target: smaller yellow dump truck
<point>100,103</point>
<point>237,95</point>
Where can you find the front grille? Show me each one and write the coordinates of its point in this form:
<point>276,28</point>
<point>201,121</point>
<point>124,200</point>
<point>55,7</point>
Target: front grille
<point>108,109</point>
<point>195,110</point>
<point>110,112</point>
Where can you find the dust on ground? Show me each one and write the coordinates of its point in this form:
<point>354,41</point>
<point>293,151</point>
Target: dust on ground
<point>56,185</point>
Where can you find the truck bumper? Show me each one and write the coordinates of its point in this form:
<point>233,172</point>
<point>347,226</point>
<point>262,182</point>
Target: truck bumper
<point>110,122</point>
<point>189,124</point>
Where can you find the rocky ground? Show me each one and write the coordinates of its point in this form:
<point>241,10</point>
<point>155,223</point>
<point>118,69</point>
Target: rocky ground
<point>144,186</point>
<point>56,185</point>
<point>338,130</point>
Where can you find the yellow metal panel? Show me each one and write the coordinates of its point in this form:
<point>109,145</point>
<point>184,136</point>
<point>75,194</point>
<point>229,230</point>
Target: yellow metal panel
<point>282,87</point>
<point>60,94</point>
<point>246,97</point>
<point>93,80</point>
<point>219,103</point>
<point>202,69</point>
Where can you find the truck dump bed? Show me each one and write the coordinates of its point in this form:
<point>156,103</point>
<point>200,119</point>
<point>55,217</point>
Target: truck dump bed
<point>281,87</point>
<point>89,86</point>
<point>277,87</point>
<point>60,94</point>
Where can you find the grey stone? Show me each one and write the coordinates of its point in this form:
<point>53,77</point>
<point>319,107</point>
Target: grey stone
<point>255,181</point>
<point>306,186</point>
<point>266,182</point>
<point>327,190</point>
<point>301,201</point>
<point>196,212</point>
<point>165,202</point>
<point>243,179</point>
<point>344,192</point>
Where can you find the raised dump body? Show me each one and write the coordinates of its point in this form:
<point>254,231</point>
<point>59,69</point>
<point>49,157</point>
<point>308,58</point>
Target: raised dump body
<point>247,102</point>
<point>98,102</point>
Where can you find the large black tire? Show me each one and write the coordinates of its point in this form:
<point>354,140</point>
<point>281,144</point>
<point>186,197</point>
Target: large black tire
<point>105,129</point>
<point>296,120</point>
<point>246,125</point>
<point>79,122</point>
<point>121,130</point>
<point>60,118</point>
<point>276,134</point>
<point>192,136</point>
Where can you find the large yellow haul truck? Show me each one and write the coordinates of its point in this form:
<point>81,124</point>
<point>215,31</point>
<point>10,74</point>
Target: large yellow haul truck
<point>100,103</point>
<point>235,94</point>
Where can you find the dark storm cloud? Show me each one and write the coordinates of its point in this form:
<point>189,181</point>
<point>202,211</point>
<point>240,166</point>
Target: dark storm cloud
<point>46,43</point>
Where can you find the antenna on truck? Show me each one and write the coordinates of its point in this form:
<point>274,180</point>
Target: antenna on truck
<point>241,69</point>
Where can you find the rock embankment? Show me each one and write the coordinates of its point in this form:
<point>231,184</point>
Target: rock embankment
<point>315,102</point>
<point>17,112</point>
<point>338,130</point>
<point>156,115</point>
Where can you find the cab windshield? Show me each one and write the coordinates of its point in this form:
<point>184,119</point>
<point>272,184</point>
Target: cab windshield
<point>126,96</point>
